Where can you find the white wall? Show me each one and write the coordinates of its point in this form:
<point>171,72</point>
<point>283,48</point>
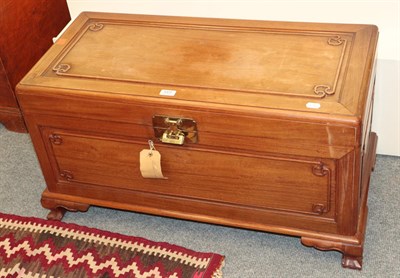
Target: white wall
<point>384,14</point>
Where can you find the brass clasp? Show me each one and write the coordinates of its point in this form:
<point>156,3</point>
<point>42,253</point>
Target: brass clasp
<point>173,130</point>
<point>173,134</point>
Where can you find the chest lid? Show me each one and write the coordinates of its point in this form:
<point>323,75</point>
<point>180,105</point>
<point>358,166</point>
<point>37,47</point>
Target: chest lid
<point>297,67</point>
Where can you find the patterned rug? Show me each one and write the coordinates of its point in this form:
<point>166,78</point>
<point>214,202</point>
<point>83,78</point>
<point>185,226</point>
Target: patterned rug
<point>32,247</point>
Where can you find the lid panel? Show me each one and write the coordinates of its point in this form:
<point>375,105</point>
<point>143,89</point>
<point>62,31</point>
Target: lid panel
<point>313,69</point>
<point>262,61</point>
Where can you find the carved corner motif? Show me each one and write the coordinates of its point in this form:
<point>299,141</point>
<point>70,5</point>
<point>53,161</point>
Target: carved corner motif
<point>319,208</point>
<point>96,27</point>
<point>323,90</point>
<point>326,90</point>
<point>67,175</point>
<point>320,170</point>
<point>55,139</point>
<point>61,68</point>
<point>336,40</point>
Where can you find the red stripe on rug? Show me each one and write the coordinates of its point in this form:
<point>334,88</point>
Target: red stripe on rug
<point>70,248</point>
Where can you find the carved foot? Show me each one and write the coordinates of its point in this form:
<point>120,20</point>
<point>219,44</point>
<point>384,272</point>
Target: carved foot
<point>56,214</point>
<point>352,253</point>
<point>352,262</point>
<point>58,207</point>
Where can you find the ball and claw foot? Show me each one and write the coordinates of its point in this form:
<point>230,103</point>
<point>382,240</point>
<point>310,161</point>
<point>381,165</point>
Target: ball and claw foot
<point>56,214</point>
<point>352,262</point>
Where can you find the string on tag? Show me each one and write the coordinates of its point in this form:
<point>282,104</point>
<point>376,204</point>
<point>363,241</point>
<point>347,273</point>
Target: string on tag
<point>151,147</point>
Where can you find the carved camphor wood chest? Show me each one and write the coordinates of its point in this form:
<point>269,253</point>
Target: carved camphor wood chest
<point>260,125</point>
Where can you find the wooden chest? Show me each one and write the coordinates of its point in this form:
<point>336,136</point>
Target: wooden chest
<point>261,125</point>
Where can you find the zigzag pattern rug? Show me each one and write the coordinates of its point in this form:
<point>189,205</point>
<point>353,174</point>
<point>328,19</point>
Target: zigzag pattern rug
<point>31,247</point>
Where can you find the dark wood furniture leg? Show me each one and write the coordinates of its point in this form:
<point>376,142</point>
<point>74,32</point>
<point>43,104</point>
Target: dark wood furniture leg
<point>27,28</point>
<point>10,115</point>
<point>12,120</point>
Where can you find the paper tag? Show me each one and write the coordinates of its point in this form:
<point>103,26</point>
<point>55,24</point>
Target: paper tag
<point>150,164</point>
<point>169,93</point>
<point>313,105</point>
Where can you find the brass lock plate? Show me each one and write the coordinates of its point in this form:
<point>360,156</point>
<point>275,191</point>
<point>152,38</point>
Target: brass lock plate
<point>174,130</point>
